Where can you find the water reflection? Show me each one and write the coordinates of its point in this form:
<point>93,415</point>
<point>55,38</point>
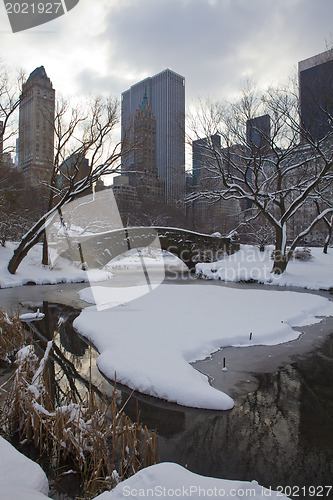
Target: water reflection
<point>279,434</point>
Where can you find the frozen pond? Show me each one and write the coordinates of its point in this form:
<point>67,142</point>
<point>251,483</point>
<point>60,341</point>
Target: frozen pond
<point>280,430</point>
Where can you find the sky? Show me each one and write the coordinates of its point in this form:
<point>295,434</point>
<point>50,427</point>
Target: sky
<point>105,46</point>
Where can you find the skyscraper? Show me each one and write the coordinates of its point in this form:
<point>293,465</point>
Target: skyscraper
<point>316,93</point>
<point>166,96</point>
<point>145,175</point>
<point>202,154</point>
<point>36,132</point>
<point>258,133</point>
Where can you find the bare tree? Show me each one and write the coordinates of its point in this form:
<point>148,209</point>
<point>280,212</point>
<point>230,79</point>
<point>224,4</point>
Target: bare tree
<point>10,89</point>
<point>79,134</point>
<point>272,164</point>
<point>321,202</point>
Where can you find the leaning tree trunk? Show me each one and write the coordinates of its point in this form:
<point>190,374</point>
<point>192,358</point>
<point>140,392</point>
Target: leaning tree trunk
<point>20,252</point>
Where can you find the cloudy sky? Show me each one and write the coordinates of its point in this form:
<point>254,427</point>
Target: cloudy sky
<point>105,46</point>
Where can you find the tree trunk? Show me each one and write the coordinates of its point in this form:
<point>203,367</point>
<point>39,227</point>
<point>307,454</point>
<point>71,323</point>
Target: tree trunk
<point>32,237</point>
<point>45,259</point>
<point>280,264</point>
<point>328,237</point>
<point>281,256</point>
<point>19,253</point>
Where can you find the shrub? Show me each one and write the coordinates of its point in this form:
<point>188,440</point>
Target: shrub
<point>302,254</point>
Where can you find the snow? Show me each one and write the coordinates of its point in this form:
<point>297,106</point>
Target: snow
<point>27,317</point>
<point>172,480</point>
<point>31,270</point>
<point>250,264</point>
<point>149,342</point>
<point>20,493</point>
<point>20,477</point>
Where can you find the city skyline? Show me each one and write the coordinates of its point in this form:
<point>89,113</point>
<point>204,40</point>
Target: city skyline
<point>166,95</point>
<point>216,45</point>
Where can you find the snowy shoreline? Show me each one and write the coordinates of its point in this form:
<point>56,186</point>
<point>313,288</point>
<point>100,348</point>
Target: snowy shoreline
<point>149,342</point>
<point>199,309</point>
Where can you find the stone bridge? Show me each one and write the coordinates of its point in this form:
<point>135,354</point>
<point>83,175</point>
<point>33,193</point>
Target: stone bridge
<point>189,246</point>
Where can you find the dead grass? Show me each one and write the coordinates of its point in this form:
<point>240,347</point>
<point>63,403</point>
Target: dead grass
<point>93,437</point>
<point>12,335</point>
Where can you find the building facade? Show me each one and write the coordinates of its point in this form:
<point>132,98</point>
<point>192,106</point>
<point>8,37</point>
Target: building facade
<point>316,94</point>
<point>258,134</point>
<point>144,173</point>
<point>202,154</point>
<point>36,132</point>
<point>166,96</point>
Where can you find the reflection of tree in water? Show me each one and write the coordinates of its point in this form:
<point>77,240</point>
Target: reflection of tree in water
<point>281,434</point>
<point>65,360</point>
<point>162,417</point>
<point>69,339</point>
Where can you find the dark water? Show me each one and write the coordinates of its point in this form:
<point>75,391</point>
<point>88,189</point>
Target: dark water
<point>280,434</point>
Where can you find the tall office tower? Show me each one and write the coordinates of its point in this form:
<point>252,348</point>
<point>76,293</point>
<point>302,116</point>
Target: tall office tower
<point>258,133</point>
<point>202,155</point>
<point>36,133</point>
<point>144,174</point>
<point>166,96</point>
<point>316,93</point>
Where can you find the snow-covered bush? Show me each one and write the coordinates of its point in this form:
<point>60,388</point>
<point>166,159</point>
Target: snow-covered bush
<point>303,254</point>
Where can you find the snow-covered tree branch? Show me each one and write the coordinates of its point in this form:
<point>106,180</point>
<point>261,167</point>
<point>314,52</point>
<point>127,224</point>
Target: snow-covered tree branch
<point>80,134</point>
<point>268,161</point>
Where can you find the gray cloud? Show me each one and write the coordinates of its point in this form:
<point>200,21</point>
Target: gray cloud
<point>106,46</point>
<point>216,44</point>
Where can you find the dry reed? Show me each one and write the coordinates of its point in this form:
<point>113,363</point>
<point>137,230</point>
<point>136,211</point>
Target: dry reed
<point>12,335</point>
<point>93,437</point>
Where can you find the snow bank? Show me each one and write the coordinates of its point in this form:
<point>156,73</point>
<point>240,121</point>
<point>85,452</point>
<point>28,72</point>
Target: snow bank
<point>150,341</point>
<point>250,264</point>
<point>20,493</point>
<point>171,480</point>
<point>20,477</point>
<point>31,270</point>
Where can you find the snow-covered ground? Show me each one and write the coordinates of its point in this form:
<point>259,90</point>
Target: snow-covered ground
<point>20,477</point>
<point>168,480</point>
<point>64,271</point>
<point>31,270</point>
<point>251,264</point>
<point>149,342</point>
